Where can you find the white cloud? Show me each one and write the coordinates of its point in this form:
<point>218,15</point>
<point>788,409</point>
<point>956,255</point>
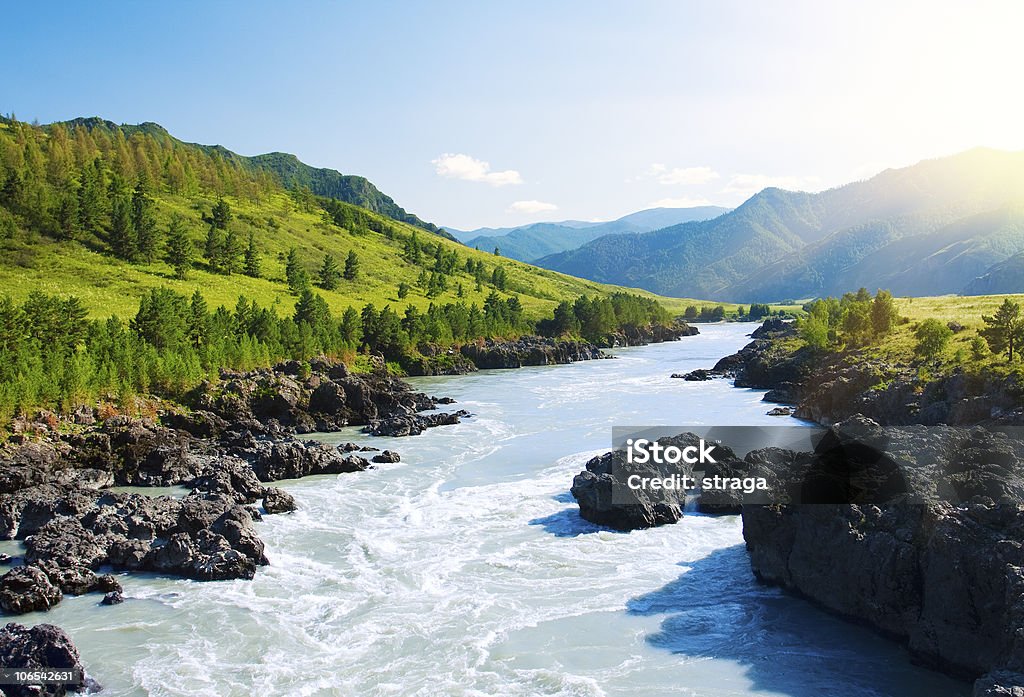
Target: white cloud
<point>460,166</point>
<point>531,206</point>
<point>748,184</point>
<point>681,202</point>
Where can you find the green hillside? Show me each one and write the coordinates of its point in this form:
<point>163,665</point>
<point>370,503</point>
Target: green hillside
<point>131,262</point>
<point>42,168</point>
<point>284,168</point>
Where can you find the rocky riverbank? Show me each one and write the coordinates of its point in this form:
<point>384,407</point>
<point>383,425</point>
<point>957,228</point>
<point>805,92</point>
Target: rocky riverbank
<point>939,566</point>
<point>916,531</point>
<point>908,516</point>
<point>829,387</point>
<point>537,350</point>
<point>55,476</point>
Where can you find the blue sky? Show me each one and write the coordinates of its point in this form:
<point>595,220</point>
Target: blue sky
<point>473,114</point>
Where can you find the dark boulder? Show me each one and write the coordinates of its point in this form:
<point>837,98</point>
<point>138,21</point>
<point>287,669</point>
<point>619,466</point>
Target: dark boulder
<point>42,646</point>
<point>414,424</point>
<point>291,459</point>
<point>999,683</point>
<point>112,598</point>
<point>605,497</point>
<point>278,501</point>
<point>27,589</point>
<point>388,456</point>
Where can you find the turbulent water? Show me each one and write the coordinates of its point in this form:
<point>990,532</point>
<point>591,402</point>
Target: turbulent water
<point>466,570</point>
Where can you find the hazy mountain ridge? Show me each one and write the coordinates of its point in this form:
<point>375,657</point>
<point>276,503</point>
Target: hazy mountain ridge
<point>533,241</point>
<point>1005,277</point>
<point>925,229</point>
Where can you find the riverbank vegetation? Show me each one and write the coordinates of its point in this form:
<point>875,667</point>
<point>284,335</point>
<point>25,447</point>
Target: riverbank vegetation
<point>936,335</point>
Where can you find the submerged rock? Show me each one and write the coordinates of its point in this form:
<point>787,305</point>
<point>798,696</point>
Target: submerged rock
<point>388,456</point>
<point>112,598</point>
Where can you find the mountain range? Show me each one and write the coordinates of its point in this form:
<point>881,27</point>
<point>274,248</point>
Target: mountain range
<point>931,228</point>
<point>530,242</point>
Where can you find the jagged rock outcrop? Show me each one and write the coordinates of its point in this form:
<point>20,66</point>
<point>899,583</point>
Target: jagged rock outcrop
<point>828,388</point>
<point>529,350</point>
<point>42,646</point>
<point>927,547</point>
<point>650,334</point>
<point>278,501</point>
<point>605,497</point>
<point>319,396</point>
<point>414,424</point>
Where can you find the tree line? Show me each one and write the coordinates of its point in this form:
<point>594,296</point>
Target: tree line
<point>92,180</point>
<point>859,319</point>
<point>52,355</point>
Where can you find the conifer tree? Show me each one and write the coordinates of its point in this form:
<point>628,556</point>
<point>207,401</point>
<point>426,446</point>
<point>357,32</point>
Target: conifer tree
<point>351,266</point>
<point>198,320</point>
<point>329,273</point>
<point>213,250</point>
<point>143,223</point>
<point>252,259</point>
<point>1004,331</point>
<point>179,247</point>
<point>295,275</point>
<point>122,239</point>
<point>231,253</point>
<point>68,218</point>
<point>221,214</point>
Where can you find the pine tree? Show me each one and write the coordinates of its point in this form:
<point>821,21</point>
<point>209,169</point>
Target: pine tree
<point>213,250</point>
<point>351,328</point>
<point>221,215</point>
<point>295,275</point>
<point>252,259</point>
<point>351,266</point>
<point>144,224</point>
<point>68,218</point>
<point>403,290</point>
<point>198,320</point>
<point>92,197</point>
<point>231,253</point>
<point>329,273</point>
<point>179,247</point>
<point>122,239</point>
<point>499,278</point>
<point>1004,331</point>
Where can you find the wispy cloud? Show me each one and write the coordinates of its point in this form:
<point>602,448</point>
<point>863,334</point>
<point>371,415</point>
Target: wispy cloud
<point>748,184</point>
<point>677,176</point>
<point>680,202</point>
<point>531,206</point>
<point>465,167</point>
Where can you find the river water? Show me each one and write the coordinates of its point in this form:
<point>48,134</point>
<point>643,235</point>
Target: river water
<point>466,570</point>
